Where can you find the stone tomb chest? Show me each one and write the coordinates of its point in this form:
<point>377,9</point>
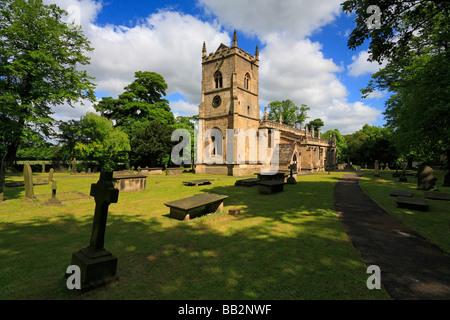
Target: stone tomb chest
<point>131,182</point>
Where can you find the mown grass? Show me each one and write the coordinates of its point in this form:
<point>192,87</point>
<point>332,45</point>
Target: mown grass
<point>288,245</point>
<point>434,224</point>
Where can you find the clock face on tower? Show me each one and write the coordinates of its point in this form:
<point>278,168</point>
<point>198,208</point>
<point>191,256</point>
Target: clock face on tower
<point>216,101</point>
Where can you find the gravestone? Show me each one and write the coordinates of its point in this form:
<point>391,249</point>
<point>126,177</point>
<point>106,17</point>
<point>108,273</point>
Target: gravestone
<point>291,179</point>
<point>43,167</point>
<point>50,174</point>
<point>28,182</point>
<point>403,175</point>
<point>97,265</point>
<point>53,201</point>
<point>425,177</point>
<point>74,165</point>
<point>387,167</point>
<point>377,169</point>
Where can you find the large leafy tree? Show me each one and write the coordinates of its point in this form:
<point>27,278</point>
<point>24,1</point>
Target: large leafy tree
<point>40,59</point>
<point>142,101</point>
<point>413,39</point>
<point>99,141</point>
<point>151,143</point>
<point>290,113</point>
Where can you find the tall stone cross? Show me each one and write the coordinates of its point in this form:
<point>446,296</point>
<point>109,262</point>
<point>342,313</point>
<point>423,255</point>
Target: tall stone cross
<point>97,265</point>
<point>104,194</point>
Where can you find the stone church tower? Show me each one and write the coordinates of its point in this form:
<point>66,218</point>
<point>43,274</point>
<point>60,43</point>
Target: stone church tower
<point>230,88</point>
<point>230,106</point>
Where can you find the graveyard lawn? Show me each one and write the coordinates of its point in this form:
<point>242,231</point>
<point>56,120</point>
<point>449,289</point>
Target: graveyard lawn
<point>432,224</point>
<point>288,245</point>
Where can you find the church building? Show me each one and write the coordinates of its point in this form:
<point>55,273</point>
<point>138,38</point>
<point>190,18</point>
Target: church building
<point>230,104</point>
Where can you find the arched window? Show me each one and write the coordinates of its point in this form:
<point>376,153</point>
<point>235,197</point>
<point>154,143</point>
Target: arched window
<point>218,80</point>
<point>247,82</point>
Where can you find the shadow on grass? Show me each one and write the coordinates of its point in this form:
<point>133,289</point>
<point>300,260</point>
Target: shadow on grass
<point>283,246</point>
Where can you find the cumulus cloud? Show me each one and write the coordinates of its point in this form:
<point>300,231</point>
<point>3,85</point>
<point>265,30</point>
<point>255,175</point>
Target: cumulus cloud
<point>361,65</point>
<point>297,18</point>
<point>166,42</point>
<point>170,43</point>
<point>292,66</point>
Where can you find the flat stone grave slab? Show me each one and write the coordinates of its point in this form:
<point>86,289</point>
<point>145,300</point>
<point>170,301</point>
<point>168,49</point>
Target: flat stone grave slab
<point>184,209</point>
<point>197,182</point>
<point>437,195</point>
<point>247,182</point>
<point>270,186</point>
<point>412,203</point>
<point>400,193</point>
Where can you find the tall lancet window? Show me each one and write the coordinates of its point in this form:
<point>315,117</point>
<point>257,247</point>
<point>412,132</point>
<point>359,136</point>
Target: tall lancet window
<point>247,82</point>
<point>218,83</point>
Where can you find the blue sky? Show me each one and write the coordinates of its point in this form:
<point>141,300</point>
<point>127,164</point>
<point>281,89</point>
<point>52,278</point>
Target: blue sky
<point>303,52</point>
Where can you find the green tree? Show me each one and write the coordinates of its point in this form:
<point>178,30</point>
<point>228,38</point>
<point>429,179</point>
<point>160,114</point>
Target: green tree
<point>68,136</point>
<point>142,101</point>
<point>39,60</point>
<point>316,123</point>
<point>99,141</point>
<point>369,144</point>
<point>151,144</point>
<point>290,113</point>
<point>413,40</point>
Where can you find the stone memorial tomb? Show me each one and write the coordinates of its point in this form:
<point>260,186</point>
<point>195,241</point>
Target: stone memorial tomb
<point>270,186</point>
<point>130,182</point>
<point>187,208</point>
<point>412,203</point>
<point>400,193</point>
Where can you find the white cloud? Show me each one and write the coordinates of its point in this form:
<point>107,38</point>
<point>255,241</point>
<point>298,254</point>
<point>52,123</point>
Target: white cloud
<point>169,43</point>
<point>297,18</point>
<point>362,66</point>
<point>376,94</point>
<point>181,107</point>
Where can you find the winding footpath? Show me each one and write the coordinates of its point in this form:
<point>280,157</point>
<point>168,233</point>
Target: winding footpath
<point>411,267</point>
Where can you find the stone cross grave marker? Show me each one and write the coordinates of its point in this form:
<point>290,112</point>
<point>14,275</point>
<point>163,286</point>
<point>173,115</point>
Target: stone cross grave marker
<point>74,165</point>
<point>28,181</point>
<point>97,265</point>
<point>291,179</point>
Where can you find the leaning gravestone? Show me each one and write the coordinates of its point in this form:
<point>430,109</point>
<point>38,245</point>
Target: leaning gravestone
<point>97,265</point>
<point>28,182</point>
<point>425,177</point>
<point>50,174</point>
